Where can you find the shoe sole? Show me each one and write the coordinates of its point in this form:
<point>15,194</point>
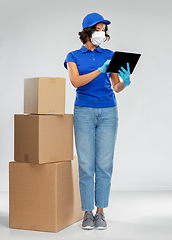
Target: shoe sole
<point>88,228</point>
<point>101,228</point>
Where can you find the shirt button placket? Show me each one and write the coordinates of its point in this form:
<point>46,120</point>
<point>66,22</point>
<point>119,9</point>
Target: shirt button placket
<point>93,56</point>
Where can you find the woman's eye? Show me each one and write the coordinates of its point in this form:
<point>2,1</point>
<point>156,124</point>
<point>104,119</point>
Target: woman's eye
<point>98,30</point>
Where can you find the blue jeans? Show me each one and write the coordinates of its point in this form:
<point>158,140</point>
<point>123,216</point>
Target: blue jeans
<point>95,132</point>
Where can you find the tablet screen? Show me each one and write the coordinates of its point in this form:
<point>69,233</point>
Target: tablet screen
<point>120,59</point>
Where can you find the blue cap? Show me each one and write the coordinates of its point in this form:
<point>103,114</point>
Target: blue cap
<point>93,18</point>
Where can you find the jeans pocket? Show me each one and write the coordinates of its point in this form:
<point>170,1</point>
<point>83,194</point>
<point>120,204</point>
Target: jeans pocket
<point>77,108</point>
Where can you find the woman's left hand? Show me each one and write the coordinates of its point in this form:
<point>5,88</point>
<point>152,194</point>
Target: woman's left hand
<point>125,75</point>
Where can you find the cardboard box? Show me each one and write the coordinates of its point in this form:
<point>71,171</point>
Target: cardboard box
<point>44,197</point>
<point>44,95</point>
<point>43,138</point>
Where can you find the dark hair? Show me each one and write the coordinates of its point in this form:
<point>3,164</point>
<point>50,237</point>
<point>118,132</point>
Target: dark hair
<point>86,33</point>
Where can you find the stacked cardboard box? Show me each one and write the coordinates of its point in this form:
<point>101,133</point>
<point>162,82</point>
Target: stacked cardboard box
<point>43,180</point>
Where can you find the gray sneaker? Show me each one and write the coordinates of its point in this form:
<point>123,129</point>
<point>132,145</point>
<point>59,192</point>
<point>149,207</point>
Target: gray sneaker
<point>88,221</point>
<point>100,222</point>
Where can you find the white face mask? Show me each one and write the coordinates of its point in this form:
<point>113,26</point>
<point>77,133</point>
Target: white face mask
<point>98,38</point>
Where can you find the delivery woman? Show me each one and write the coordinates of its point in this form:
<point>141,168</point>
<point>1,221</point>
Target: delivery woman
<point>95,116</point>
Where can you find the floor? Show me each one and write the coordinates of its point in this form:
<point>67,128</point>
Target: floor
<point>132,214</point>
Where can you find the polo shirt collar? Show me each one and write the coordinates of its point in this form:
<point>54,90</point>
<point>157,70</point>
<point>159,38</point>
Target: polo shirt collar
<point>83,49</point>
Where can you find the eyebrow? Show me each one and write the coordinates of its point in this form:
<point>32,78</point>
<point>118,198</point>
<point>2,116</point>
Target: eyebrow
<point>100,28</point>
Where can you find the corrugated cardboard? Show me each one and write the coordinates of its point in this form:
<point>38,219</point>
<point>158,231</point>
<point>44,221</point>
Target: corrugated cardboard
<point>44,197</point>
<point>44,95</point>
<point>43,138</point>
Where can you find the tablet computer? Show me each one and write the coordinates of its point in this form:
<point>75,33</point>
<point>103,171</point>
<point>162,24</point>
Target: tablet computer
<point>120,59</point>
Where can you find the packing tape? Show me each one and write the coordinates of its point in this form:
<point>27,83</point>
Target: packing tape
<point>52,80</point>
<point>51,111</point>
<point>26,158</point>
<point>32,164</point>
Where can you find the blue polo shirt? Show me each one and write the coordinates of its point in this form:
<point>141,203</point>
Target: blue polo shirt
<point>97,93</point>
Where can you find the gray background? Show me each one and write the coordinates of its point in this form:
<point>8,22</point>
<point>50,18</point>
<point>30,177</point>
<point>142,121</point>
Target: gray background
<point>35,37</point>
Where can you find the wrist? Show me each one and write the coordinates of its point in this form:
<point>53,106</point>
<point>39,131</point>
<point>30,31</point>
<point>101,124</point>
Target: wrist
<point>100,70</point>
<point>126,82</point>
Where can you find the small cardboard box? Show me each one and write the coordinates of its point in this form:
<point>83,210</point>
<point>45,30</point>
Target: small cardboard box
<point>44,95</point>
<point>43,138</point>
<point>44,197</point>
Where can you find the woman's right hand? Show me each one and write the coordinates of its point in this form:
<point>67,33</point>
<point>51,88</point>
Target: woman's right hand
<point>104,67</point>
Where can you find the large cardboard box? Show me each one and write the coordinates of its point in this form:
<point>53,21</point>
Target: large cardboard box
<point>44,95</point>
<point>43,138</point>
<point>44,197</point>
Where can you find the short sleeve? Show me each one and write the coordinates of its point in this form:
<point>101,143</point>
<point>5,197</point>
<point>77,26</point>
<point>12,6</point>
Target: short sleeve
<point>110,53</point>
<point>69,58</point>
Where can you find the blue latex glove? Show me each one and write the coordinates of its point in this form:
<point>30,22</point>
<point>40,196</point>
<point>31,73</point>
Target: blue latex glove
<point>104,67</point>
<point>125,75</point>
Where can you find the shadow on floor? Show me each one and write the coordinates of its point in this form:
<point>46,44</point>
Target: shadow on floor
<point>4,221</point>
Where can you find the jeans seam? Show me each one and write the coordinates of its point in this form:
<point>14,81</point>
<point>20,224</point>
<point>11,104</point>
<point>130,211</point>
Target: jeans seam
<point>95,167</point>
